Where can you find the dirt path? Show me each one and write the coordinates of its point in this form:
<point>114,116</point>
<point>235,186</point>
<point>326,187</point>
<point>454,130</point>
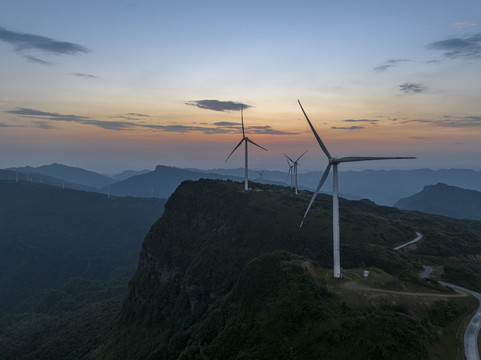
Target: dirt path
<point>355,285</point>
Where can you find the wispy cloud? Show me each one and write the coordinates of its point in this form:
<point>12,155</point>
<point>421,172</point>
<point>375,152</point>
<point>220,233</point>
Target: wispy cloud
<point>463,24</point>
<point>468,47</point>
<point>412,88</point>
<point>36,60</point>
<point>42,125</point>
<point>348,127</point>
<point>137,114</point>
<point>129,116</point>
<point>22,41</point>
<point>368,121</point>
<point>418,137</point>
<point>226,124</point>
<point>389,64</point>
<point>85,76</point>
<point>467,121</point>
<point>45,116</point>
<point>41,119</point>
<point>218,105</point>
<point>268,130</point>
<point>9,125</point>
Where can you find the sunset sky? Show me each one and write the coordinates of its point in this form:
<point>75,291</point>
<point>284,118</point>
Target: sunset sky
<point>115,85</point>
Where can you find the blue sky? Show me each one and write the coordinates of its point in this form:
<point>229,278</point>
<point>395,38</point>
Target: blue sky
<point>113,85</point>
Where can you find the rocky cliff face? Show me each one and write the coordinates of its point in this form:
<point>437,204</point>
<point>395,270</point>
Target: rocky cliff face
<point>198,248</point>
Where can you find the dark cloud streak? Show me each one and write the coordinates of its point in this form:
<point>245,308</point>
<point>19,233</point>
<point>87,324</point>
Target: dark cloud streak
<point>369,121</point>
<point>389,64</point>
<point>467,121</point>
<point>218,105</point>
<point>412,88</point>
<point>348,128</point>
<point>468,47</point>
<point>40,118</point>
<point>85,76</point>
<point>36,60</point>
<point>44,44</point>
<point>227,124</point>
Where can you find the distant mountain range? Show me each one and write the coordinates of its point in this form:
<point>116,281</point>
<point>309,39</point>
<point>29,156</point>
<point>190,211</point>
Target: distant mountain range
<point>163,181</point>
<point>124,175</point>
<point>69,174</point>
<point>384,187</point>
<point>442,199</point>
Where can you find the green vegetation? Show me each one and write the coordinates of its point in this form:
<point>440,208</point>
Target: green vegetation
<point>277,311</point>
<point>66,246</point>
<point>226,274</point>
<point>188,295</point>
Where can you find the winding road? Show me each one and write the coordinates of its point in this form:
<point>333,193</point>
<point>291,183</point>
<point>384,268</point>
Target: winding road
<point>418,237</point>
<point>471,351</point>
<point>471,335</point>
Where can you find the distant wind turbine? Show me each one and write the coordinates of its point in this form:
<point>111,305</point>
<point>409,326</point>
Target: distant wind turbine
<point>293,168</point>
<point>335,200</point>
<point>246,140</point>
<point>289,173</point>
<point>260,173</point>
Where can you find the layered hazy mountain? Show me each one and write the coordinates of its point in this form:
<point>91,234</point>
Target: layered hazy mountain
<point>384,187</point>
<point>442,199</point>
<point>69,174</point>
<point>53,239</point>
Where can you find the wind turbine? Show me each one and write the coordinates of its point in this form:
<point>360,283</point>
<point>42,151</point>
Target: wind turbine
<point>334,162</point>
<point>289,173</point>
<point>294,166</point>
<point>246,140</point>
<point>260,173</point>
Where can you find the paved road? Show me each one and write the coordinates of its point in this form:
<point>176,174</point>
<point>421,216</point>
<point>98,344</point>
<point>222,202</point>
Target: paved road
<point>472,331</point>
<point>418,237</point>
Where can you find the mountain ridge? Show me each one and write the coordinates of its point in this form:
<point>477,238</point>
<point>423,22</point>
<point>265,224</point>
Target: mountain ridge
<point>447,200</point>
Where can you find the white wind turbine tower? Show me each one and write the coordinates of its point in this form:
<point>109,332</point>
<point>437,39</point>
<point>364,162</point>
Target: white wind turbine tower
<point>293,168</point>
<point>289,173</point>
<point>334,162</point>
<point>246,140</point>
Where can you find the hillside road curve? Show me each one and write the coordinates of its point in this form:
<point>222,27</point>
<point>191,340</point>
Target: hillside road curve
<point>471,351</point>
<point>471,335</point>
<point>418,237</point>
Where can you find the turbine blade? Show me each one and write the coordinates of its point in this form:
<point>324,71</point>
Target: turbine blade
<point>323,179</point>
<point>367,158</point>
<point>288,163</point>
<point>252,142</point>
<point>234,149</point>
<point>301,156</point>
<point>242,120</point>
<point>323,147</point>
<point>287,157</point>
<point>288,174</point>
